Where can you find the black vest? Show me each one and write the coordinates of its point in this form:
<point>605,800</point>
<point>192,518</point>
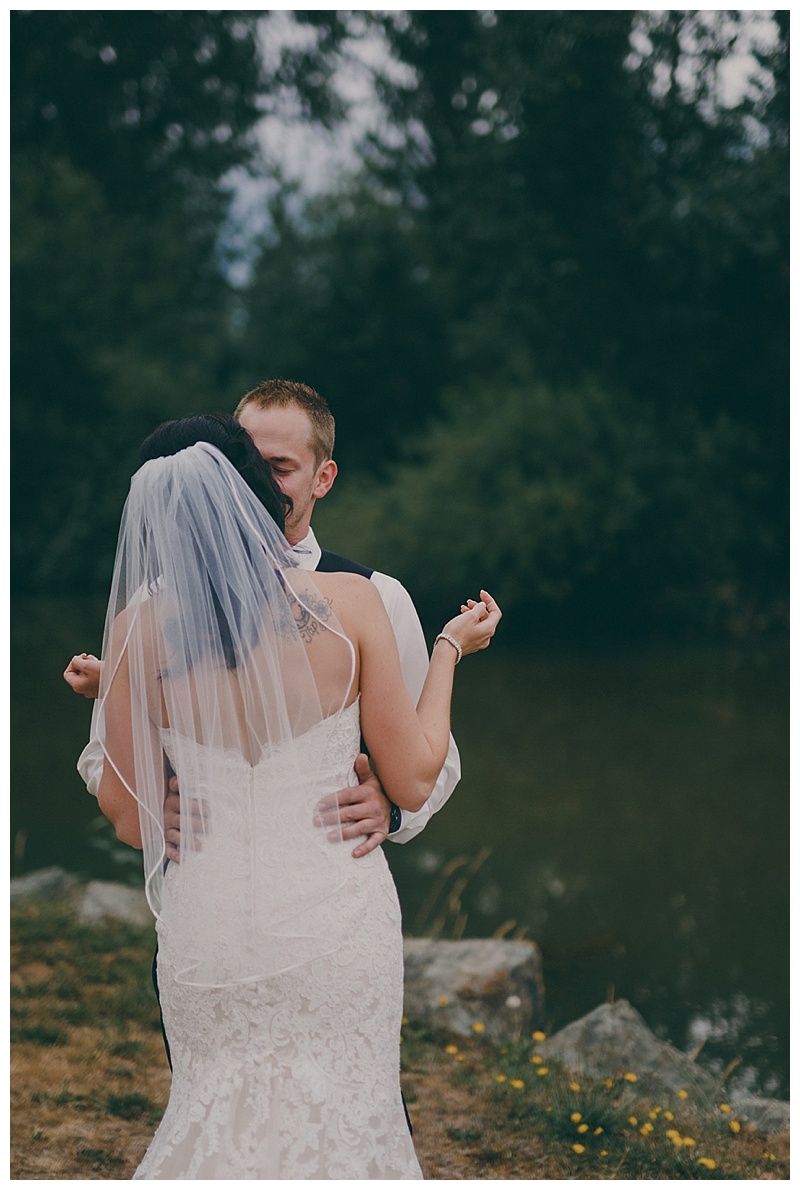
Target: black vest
<point>335,564</point>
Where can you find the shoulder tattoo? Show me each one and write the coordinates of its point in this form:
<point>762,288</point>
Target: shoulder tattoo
<point>309,615</point>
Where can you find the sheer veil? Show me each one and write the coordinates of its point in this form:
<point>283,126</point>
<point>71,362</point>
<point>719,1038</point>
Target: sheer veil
<point>224,664</point>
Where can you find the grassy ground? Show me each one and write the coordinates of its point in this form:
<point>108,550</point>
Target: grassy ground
<point>90,1081</point>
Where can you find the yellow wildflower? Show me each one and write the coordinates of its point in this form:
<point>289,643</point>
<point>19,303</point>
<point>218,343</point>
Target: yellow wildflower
<point>709,1162</point>
<point>517,1084</point>
<point>548,1109</point>
<point>542,1070</point>
<point>604,1152</point>
<point>404,1020</point>
<point>597,1131</point>
<point>689,1141</point>
<point>726,1107</point>
<point>668,1115</point>
<point>576,1117</point>
<point>539,1036</point>
<point>574,1086</point>
<point>579,1148</point>
<point>645,1128</point>
<point>500,1078</point>
<point>478,1027</point>
<point>609,1082</point>
<point>537,1059</point>
<point>443,1000</point>
<point>583,1128</point>
<point>676,1140</point>
<point>633,1120</point>
<point>683,1094</point>
<point>630,1077</point>
<point>672,1132</point>
<point>735,1125</point>
<point>654,1113</point>
<point>460,1057</point>
<point>451,1049</point>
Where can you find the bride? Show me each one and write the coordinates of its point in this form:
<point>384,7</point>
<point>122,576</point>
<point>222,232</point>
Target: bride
<point>280,956</point>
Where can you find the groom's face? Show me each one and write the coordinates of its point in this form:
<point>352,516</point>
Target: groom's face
<point>282,434</point>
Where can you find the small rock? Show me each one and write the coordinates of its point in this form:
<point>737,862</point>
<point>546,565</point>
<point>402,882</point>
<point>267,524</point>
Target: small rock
<point>48,884</point>
<point>770,1116</point>
<point>491,982</point>
<point>101,900</point>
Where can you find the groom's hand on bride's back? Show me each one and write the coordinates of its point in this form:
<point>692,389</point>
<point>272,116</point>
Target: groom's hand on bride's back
<point>358,810</point>
<point>172,822</point>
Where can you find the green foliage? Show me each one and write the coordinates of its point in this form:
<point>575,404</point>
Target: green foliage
<point>570,496</point>
<point>609,222</point>
<point>345,301</point>
<point>157,105</point>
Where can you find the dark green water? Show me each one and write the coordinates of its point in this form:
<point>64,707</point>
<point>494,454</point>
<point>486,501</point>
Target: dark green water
<point>635,802</point>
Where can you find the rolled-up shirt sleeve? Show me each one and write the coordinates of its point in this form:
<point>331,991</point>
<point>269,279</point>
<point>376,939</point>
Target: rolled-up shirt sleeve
<point>90,765</point>
<point>414,663</point>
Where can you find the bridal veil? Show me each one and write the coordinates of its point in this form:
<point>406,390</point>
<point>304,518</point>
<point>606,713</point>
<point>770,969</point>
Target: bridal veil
<point>223,663</point>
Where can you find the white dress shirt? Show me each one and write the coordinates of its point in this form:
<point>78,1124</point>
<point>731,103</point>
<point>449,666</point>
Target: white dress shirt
<point>413,661</point>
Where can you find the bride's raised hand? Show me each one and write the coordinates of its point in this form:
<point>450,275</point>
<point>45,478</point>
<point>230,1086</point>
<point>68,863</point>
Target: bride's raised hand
<point>476,625</point>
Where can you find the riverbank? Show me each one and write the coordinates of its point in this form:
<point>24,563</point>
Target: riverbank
<point>90,1081</point>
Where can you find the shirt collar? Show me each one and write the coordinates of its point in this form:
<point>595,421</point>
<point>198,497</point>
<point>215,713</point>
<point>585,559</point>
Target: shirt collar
<point>307,552</point>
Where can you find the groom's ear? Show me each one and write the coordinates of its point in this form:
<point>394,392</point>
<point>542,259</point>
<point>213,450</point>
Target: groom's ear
<point>325,477</point>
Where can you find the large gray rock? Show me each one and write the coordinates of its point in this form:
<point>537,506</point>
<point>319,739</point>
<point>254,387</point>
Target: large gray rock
<point>101,901</point>
<point>488,981</point>
<point>48,884</point>
<point>767,1115</point>
<point>614,1040</point>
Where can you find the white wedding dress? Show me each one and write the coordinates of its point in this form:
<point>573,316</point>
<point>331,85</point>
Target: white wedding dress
<point>296,1074</point>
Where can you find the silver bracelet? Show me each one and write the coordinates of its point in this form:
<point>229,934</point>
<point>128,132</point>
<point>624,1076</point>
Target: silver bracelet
<point>452,640</point>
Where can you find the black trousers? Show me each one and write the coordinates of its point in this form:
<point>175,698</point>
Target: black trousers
<point>160,1014</point>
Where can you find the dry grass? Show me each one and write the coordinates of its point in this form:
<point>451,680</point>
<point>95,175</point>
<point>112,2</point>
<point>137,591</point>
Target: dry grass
<point>90,1081</point>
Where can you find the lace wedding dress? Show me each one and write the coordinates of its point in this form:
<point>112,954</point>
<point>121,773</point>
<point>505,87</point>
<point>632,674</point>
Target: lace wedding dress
<point>294,1075</point>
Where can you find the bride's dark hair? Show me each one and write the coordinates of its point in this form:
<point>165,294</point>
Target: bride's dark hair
<point>224,432</point>
<point>234,442</point>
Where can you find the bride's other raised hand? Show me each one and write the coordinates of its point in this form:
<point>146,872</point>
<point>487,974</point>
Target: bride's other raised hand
<point>476,625</point>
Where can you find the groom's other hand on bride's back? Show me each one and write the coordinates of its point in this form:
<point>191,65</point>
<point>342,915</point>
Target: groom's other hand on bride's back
<point>358,810</point>
<point>83,674</point>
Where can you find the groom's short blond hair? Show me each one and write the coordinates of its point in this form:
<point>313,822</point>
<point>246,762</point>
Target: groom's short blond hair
<point>292,392</point>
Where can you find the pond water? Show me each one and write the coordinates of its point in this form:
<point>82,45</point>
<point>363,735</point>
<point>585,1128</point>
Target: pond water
<point>625,808</point>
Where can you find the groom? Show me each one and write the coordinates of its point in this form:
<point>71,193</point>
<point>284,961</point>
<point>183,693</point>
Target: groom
<point>293,429</point>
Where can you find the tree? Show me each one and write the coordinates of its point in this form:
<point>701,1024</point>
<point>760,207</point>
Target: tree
<point>345,301</point>
<point>125,129</point>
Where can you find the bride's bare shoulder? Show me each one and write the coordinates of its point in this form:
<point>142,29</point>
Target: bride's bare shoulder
<point>349,595</point>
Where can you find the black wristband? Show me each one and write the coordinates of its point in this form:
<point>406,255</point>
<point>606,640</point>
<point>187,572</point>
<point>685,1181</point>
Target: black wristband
<point>395,818</point>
